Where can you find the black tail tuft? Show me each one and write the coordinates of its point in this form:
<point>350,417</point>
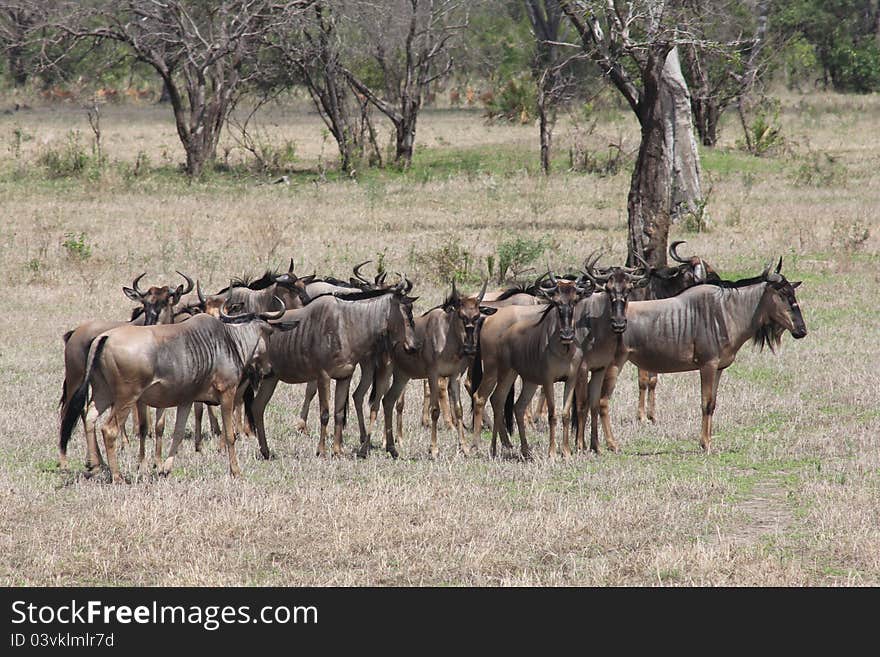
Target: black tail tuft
<point>373,386</point>
<point>574,409</point>
<point>78,401</point>
<point>249,406</point>
<point>508,411</point>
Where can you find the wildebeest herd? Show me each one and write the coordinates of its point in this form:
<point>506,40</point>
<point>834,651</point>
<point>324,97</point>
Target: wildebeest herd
<point>230,349</point>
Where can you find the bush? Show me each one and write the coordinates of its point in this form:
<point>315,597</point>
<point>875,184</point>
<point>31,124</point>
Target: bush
<point>515,100</point>
<point>447,262</point>
<point>763,134</point>
<point>820,170</point>
<point>69,161</point>
<point>77,246</point>
<point>517,254</point>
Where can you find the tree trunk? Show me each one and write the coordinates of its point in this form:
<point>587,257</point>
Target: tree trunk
<point>545,128</point>
<point>17,69</point>
<point>665,183</point>
<point>706,113</point>
<point>405,132</point>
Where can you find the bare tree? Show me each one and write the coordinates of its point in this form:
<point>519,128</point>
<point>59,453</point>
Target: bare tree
<point>623,36</point>
<point>309,52</point>
<point>407,40</point>
<point>551,71</point>
<point>18,20</point>
<point>722,66</point>
<point>205,52</point>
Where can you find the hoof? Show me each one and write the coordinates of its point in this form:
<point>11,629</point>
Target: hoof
<point>393,452</point>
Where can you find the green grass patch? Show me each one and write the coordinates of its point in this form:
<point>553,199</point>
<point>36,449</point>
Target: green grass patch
<point>728,162</point>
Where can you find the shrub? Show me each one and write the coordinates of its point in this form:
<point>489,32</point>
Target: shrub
<point>77,246</point>
<point>515,255</point>
<point>820,170</point>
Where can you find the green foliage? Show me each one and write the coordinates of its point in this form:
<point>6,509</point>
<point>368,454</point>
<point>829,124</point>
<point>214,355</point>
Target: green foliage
<point>515,100</point>
<point>764,134</point>
<point>77,246</point>
<point>850,236</point>
<point>448,261</point>
<point>517,253</point>
<point>70,160</point>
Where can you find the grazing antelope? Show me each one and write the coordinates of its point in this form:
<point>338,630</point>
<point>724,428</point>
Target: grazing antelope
<point>447,336</point>
<point>156,307</point>
<point>702,329</point>
<point>337,333</point>
<point>665,282</point>
<point>536,343</point>
<point>203,359</point>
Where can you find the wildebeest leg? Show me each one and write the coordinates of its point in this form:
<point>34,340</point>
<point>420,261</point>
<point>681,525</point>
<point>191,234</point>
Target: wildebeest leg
<point>454,390</point>
<point>198,411</point>
<point>227,404</point>
<point>519,410</point>
<point>339,412</point>
<point>551,419</point>
<point>94,460</point>
<point>498,399</point>
<point>567,399</point>
<point>215,425</point>
<point>710,375</point>
<point>434,390</point>
<point>258,408</point>
<point>179,431</point>
<point>582,399</point>
<point>110,431</point>
<point>142,428</point>
<point>368,369</point>
<point>389,400</point>
<point>401,403</point>
<point>594,394</point>
<point>443,390</point>
<point>383,384</point>
<point>647,385</point>
<point>487,386</point>
<point>324,403</point>
<point>652,395</point>
<point>426,404</point>
<point>311,391</point>
<point>608,385</point>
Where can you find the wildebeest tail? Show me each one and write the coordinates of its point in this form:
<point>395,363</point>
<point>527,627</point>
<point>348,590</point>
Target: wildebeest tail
<point>248,400</point>
<point>78,401</point>
<point>508,412</point>
<point>476,374</point>
<point>574,409</point>
<point>373,385</point>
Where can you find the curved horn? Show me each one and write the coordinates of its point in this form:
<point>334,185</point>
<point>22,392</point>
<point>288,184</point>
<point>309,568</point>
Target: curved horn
<point>644,263</point>
<point>408,286</point>
<point>274,315</point>
<point>380,280</point>
<point>779,265</point>
<point>189,283</point>
<point>357,273</point>
<point>482,292</point>
<point>552,279</point>
<point>673,253</point>
<point>233,318</point>
<point>199,293</point>
<point>766,269</point>
<point>134,285</point>
<point>454,295</point>
<point>290,268</point>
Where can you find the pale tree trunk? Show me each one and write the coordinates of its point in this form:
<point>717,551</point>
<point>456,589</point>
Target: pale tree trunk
<point>666,180</point>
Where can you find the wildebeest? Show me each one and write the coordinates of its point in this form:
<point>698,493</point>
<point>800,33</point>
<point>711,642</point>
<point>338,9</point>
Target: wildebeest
<point>203,359</point>
<point>447,338</point>
<point>665,282</point>
<point>702,329</point>
<point>337,332</point>
<point>157,307</point>
<point>536,343</point>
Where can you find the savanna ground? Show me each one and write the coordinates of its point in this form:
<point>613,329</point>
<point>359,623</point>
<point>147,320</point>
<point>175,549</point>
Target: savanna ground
<point>790,496</point>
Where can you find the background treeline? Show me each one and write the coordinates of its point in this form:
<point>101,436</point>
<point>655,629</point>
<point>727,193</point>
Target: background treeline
<point>363,62</point>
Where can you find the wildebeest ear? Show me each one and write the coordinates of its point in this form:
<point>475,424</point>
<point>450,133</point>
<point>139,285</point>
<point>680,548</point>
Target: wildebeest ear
<point>796,284</point>
<point>132,294</point>
<point>486,310</point>
<point>642,282</point>
<point>410,300</point>
<point>235,309</point>
<point>177,293</point>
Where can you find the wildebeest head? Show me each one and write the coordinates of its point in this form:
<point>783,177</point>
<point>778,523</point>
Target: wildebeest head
<point>266,324</point>
<point>158,301</point>
<point>617,283</point>
<point>693,270</point>
<point>563,295</point>
<point>358,281</point>
<point>783,312</point>
<point>401,327</point>
<point>469,315</point>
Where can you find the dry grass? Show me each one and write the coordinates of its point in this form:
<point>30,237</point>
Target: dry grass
<point>791,497</point>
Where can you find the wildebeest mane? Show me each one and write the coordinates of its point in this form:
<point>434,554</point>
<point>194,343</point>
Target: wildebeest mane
<point>358,296</point>
<point>136,312</point>
<point>261,283</point>
<point>514,289</point>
